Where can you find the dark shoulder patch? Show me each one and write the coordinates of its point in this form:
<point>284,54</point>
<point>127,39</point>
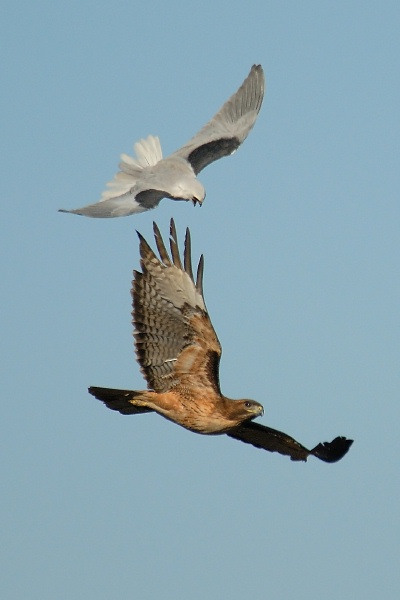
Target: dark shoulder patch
<point>202,156</point>
<point>150,198</point>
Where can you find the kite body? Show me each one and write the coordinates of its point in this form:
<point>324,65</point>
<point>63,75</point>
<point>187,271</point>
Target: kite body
<point>143,181</point>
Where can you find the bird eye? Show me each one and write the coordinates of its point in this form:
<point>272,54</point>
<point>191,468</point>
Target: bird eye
<point>248,404</point>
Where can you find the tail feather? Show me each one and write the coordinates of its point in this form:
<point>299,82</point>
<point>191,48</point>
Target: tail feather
<point>148,153</point>
<point>120,400</point>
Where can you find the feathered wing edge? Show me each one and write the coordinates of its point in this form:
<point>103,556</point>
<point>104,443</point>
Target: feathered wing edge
<point>166,296</point>
<point>273,440</point>
<point>189,292</point>
<point>230,126</point>
<point>176,260</point>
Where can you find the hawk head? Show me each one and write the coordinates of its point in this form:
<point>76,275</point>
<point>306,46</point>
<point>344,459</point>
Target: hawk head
<point>245,410</point>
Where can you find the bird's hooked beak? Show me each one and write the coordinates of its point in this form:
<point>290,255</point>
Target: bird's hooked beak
<point>257,409</point>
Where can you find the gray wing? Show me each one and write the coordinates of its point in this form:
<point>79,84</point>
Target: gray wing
<point>174,338</point>
<point>121,206</point>
<point>277,441</point>
<point>131,191</point>
<point>230,126</point>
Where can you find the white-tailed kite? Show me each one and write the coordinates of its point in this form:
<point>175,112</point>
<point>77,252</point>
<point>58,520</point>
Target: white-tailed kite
<point>143,181</point>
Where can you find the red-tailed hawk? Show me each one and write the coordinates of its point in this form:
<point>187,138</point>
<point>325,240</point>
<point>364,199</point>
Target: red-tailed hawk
<point>143,181</point>
<point>179,353</point>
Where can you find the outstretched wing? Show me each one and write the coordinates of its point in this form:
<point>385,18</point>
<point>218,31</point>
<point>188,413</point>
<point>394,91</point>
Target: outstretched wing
<point>174,338</point>
<point>230,126</point>
<point>121,199</point>
<point>277,441</point>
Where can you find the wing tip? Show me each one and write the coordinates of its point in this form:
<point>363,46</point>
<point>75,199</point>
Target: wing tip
<point>333,451</point>
<point>199,277</point>
<point>257,67</point>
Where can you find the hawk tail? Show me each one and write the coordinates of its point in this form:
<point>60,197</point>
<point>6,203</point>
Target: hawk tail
<point>124,401</point>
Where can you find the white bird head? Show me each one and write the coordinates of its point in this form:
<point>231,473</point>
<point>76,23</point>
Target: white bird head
<point>187,187</point>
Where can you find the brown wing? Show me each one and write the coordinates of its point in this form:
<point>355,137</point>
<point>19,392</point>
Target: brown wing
<point>174,338</point>
<point>277,441</point>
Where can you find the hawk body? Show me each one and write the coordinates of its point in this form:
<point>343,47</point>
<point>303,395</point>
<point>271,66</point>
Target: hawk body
<point>179,355</point>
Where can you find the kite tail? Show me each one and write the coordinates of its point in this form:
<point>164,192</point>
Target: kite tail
<point>124,401</point>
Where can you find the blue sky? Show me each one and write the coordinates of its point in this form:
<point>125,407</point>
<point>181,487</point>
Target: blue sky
<point>300,231</point>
